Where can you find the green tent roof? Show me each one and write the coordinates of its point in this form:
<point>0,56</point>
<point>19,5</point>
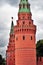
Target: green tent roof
<point>23,1</point>
<point>25,9</point>
<point>12,28</point>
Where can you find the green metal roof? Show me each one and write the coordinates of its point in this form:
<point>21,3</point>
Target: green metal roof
<point>24,10</point>
<point>23,2</point>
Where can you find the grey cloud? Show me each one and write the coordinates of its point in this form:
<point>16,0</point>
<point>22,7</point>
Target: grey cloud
<point>4,31</point>
<point>3,51</point>
<point>36,4</point>
<point>39,36</point>
<point>3,40</point>
<point>3,34</point>
<point>2,2</point>
<point>12,2</point>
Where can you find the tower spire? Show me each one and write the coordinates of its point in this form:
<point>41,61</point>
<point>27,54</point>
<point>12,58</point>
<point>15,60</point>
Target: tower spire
<point>24,6</point>
<point>12,26</point>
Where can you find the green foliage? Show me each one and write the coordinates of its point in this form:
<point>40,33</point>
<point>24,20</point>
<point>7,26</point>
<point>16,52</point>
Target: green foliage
<point>39,48</point>
<point>2,60</point>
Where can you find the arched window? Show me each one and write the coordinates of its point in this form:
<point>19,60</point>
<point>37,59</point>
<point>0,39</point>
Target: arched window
<point>13,40</point>
<point>29,23</point>
<point>20,29</point>
<point>31,37</point>
<point>27,29</point>
<point>23,37</point>
<point>23,22</point>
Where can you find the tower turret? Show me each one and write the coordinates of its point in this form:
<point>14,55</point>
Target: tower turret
<point>25,31</point>
<point>10,53</point>
<point>22,47</point>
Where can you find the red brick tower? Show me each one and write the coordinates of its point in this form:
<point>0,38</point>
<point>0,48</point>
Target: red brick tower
<point>10,53</point>
<point>22,47</point>
<point>25,49</point>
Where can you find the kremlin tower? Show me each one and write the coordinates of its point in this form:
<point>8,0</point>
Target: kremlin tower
<point>10,53</point>
<point>21,49</point>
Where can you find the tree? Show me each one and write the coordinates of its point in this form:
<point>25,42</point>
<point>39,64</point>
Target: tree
<point>2,60</point>
<point>39,48</point>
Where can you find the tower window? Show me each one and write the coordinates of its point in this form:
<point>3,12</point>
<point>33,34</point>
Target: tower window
<point>29,23</point>
<point>23,37</point>
<point>31,37</point>
<point>13,40</point>
<point>25,29</point>
<point>23,22</point>
<point>14,58</point>
<point>20,29</point>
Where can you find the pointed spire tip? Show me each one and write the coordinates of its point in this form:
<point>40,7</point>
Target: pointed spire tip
<point>12,17</point>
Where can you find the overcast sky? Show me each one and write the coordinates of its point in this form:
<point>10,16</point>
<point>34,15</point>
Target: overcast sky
<point>9,8</point>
